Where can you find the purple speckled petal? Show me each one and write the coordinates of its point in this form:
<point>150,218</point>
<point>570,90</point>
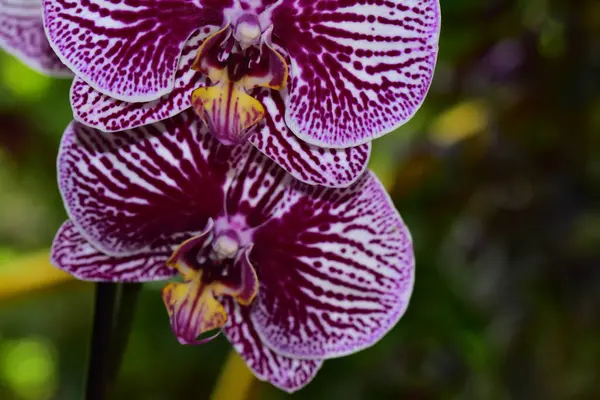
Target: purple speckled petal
<point>336,268</point>
<point>126,190</point>
<point>127,49</point>
<point>308,163</point>
<point>100,111</point>
<point>72,253</point>
<point>22,34</point>
<point>255,191</point>
<point>358,69</point>
<point>289,374</point>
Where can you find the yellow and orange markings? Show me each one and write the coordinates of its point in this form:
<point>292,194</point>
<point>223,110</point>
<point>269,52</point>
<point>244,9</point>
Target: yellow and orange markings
<point>230,110</point>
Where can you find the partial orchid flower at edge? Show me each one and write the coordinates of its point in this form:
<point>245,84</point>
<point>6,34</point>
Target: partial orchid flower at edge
<point>22,34</point>
<point>309,84</point>
<point>292,274</point>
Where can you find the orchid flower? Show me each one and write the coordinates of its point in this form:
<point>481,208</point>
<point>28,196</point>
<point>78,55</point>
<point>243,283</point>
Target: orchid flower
<point>308,83</point>
<point>291,273</point>
<point>22,34</point>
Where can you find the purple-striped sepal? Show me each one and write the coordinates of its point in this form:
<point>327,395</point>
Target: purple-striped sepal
<point>22,34</point>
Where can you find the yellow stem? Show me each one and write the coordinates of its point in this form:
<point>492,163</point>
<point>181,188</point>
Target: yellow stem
<point>235,382</point>
<point>29,273</point>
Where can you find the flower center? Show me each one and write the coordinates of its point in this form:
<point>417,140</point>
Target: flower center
<point>236,59</point>
<point>210,267</point>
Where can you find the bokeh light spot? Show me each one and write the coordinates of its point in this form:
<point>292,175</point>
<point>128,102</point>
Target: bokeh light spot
<point>459,122</point>
<point>28,367</point>
<point>24,82</point>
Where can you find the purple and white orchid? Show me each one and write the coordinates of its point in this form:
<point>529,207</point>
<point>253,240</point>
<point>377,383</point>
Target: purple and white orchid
<point>308,83</point>
<point>22,34</point>
<point>293,274</point>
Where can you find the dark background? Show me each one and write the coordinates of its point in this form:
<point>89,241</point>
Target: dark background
<point>498,177</point>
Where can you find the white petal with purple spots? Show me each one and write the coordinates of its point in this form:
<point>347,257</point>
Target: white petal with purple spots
<point>103,112</point>
<point>311,164</point>
<point>126,190</point>
<point>336,270</point>
<point>129,49</point>
<point>72,253</point>
<point>358,69</point>
<point>289,374</point>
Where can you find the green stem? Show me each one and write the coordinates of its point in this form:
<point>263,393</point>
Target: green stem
<point>123,323</point>
<point>96,385</point>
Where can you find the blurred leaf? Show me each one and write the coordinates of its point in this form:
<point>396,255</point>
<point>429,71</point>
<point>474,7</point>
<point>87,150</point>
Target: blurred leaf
<point>459,122</point>
<point>24,82</point>
<point>25,274</point>
<point>235,382</point>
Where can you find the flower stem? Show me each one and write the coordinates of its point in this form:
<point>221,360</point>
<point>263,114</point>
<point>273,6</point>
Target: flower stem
<point>128,297</point>
<point>99,362</point>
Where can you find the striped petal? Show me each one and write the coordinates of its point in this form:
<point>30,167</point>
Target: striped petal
<point>22,34</point>
<point>335,266</point>
<point>359,69</point>
<point>72,253</point>
<point>129,49</point>
<point>307,163</point>
<point>103,112</point>
<point>256,189</point>
<point>289,374</point>
<point>126,190</point>
<point>336,269</point>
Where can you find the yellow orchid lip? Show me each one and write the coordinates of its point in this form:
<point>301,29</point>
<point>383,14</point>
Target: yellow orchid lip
<point>193,310</point>
<point>227,110</point>
<point>236,60</point>
<point>208,272</point>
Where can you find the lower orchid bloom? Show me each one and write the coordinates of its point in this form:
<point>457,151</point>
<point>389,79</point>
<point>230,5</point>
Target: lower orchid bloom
<point>292,274</point>
<point>22,34</point>
<point>308,83</point>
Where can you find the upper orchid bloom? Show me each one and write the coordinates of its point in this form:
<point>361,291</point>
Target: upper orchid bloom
<point>292,77</point>
<point>291,273</point>
<point>22,34</point>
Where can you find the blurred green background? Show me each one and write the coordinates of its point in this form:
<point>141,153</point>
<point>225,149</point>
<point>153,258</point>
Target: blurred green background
<point>498,177</point>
